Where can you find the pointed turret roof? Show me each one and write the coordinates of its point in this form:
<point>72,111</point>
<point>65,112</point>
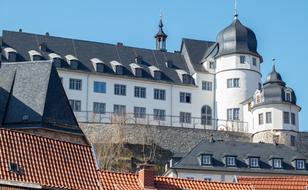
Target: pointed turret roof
<point>161,32</point>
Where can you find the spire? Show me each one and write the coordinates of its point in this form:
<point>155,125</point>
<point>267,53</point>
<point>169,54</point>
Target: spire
<point>161,36</point>
<point>273,66</point>
<point>235,9</point>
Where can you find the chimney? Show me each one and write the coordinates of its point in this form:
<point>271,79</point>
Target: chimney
<point>146,176</point>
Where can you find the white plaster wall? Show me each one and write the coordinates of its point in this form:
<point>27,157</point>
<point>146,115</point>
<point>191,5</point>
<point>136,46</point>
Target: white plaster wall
<point>230,67</point>
<point>171,104</point>
<point>277,117</point>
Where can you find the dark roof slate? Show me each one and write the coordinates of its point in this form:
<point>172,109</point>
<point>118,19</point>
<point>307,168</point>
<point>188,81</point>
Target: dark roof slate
<point>86,50</point>
<point>32,96</point>
<point>196,50</point>
<point>242,150</point>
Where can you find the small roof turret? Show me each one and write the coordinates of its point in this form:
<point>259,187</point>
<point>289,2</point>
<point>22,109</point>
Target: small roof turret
<point>274,77</point>
<point>161,36</point>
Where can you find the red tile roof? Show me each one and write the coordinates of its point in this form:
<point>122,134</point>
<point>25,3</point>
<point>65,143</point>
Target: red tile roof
<point>47,162</point>
<point>275,183</point>
<point>127,181</point>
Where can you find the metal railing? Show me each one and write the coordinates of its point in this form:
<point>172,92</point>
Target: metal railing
<point>167,120</point>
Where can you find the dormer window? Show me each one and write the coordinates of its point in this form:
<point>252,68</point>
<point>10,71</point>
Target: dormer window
<point>157,75</point>
<point>230,161</point>
<point>206,159</point>
<point>98,65</point>
<point>119,70</point>
<point>10,54</point>
<point>288,97</point>
<point>277,163</point>
<point>72,61</point>
<point>187,79</point>
<point>254,162</point>
<point>300,164</point>
<point>35,55</point>
<point>212,65</point>
<point>138,72</point>
<point>56,59</point>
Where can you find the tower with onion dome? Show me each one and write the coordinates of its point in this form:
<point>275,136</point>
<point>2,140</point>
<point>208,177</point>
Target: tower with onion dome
<point>237,72</point>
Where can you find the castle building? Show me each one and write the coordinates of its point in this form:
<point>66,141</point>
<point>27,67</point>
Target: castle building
<point>212,85</point>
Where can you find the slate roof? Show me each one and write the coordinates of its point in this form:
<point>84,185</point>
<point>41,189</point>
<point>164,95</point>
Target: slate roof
<point>242,150</point>
<point>32,96</point>
<point>46,162</point>
<point>86,50</point>
<point>196,50</point>
<point>275,183</point>
<point>127,181</point>
<point>235,38</point>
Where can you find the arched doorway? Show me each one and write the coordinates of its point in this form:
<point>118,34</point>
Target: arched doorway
<point>206,115</point>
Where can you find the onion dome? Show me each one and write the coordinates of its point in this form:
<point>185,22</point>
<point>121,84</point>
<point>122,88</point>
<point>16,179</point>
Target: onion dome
<point>237,38</point>
<point>274,77</point>
<point>275,90</point>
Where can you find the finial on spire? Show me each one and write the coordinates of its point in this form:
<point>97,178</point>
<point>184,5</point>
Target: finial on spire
<point>273,66</point>
<point>161,19</point>
<point>235,9</point>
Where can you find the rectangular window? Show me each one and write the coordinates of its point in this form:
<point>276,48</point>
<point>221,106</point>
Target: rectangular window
<point>140,92</point>
<point>99,87</point>
<point>119,109</point>
<point>159,94</point>
<point>100,67</point>
<point>76,105</point>
<point>254,61</point>
<point>139,112</point>
<point>242,59</point>
<point>293,119</point>
<point>99,107</point>
<point>277,163</point>
<point>75,84</point>
<point>233,114</point>
<point>254,162</point>
<point>288,97</point>
<point>300,164</point>
<point>185,97</point>
<point>159,114</point>
<point>268,117</point>
<point>207,85</point>
<point>261,119</point>
<point>185,117</point>
<point>120,89</point>
<point>206,159</point>
<point>233,83</point>
<point>292,140</point>
<point>230,161</point>
<point>286,117</point>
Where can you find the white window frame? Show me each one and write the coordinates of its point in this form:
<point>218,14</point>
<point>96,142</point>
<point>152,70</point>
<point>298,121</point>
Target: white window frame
<point>99,107</point>
<point>233,83</point>
<point>207,85</point>
<point>233,114</point>
<point>261,118</point>
<point>242,59</point>
<point>206,159</point>
<point>185,117</point>
<point>277,163</point>
<point>254,162</point>
<point>230,161</point>
<point>159,94</point>
<point>75,84</point>
<point>185,97</point>
<point>120,89</point>
<point>300,164</point>
<point>140,92</point>
<point>268,117</point>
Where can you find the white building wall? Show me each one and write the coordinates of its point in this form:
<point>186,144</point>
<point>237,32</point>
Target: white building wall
<point>228,67</point>
<point>171,104</point>
<point>277,117</point>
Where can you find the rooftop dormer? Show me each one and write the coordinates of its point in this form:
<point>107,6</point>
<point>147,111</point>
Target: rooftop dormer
<point>72,61</point>
<point>35,55</point>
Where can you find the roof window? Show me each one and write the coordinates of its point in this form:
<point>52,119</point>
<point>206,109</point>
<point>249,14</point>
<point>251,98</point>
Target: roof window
<point>98,65</point>
<point>72,61</point>
<point>10,54</point>
<point>35,55</point>
<point>56,59</point>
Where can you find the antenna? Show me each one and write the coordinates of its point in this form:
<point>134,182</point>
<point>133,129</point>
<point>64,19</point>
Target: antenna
<point>235,9</point>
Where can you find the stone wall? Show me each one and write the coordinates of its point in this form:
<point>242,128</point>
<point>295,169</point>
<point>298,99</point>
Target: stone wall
<point>302,144</point>
<point>175,139</point>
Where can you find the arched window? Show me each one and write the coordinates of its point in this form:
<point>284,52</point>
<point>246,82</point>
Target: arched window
<point>206,115</point>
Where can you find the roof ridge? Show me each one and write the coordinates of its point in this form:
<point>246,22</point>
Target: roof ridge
<point>40,137</point>
<point>197,180</point>
<point>81,40</point>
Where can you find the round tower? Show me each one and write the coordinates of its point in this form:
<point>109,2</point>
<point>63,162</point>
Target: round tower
<point>237,73</point>
<point>275,112</point>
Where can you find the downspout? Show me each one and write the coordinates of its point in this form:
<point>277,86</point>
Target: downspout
<point>171,108</point>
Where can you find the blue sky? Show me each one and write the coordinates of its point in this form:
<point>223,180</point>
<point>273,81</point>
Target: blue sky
<point>281,27</point>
